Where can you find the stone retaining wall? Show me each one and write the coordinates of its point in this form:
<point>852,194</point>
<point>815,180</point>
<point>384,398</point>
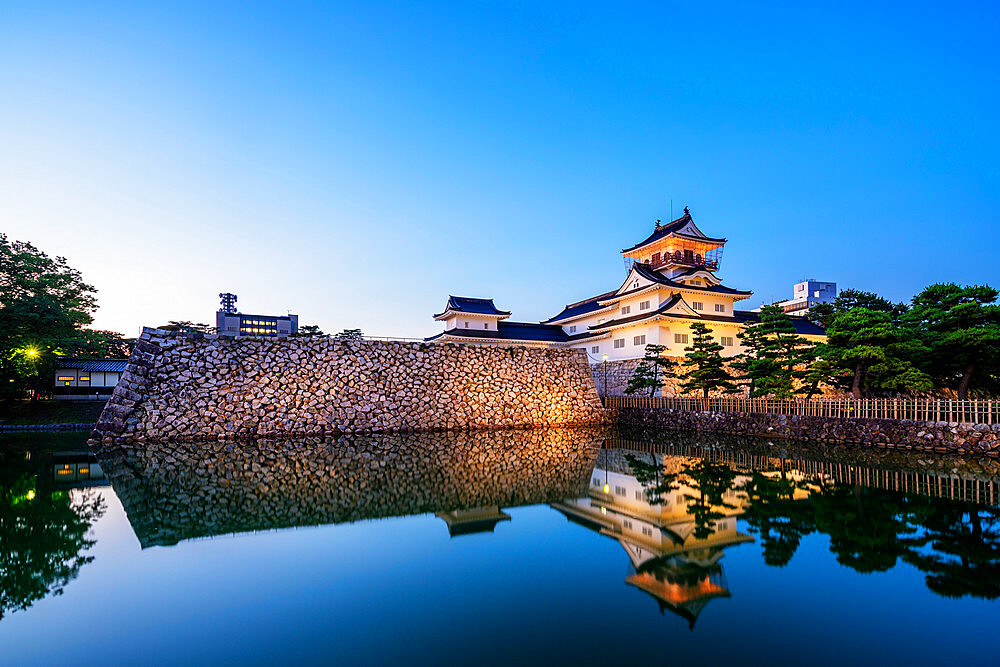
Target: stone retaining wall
<point>954,437</point>
<point>195,387</point>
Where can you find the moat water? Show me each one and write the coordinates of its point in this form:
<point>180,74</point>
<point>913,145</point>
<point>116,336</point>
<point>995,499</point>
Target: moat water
<point>629,547</point>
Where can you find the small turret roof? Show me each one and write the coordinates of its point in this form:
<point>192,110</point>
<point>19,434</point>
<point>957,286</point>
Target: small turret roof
<point>468,304</point>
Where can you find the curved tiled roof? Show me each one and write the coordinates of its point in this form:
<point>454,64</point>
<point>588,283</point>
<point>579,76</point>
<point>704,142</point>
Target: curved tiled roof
<point>514,331</point>
<point>649,273</point>
<point>95,365</point>
<point>582,307</point>
<point>671,228</point>
<point>468,304</point>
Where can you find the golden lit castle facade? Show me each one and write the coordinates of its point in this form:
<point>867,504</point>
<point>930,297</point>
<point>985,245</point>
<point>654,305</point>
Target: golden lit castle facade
<point>671,284</point>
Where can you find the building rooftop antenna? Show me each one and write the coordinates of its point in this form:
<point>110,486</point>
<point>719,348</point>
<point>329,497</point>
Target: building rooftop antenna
<point>228,301</point>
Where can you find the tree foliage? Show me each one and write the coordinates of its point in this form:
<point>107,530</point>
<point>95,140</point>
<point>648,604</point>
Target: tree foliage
<point>705,368</point>
<point>959,327</point>
<point>44,307</point>
<point>651,371</point>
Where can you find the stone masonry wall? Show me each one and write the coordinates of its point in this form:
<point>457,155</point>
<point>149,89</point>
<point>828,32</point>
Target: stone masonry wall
<point>196,387</point>
<point>953,437</point>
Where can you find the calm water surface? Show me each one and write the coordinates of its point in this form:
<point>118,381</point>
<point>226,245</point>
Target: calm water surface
<point>603,547</point>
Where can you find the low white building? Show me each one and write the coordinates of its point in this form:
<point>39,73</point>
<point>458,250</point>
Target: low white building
<point>807,294</point>
<point>87,379</point>
<point>671,284</point>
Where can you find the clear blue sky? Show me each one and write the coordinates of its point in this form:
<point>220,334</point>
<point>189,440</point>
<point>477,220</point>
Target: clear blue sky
<point>358,162</point>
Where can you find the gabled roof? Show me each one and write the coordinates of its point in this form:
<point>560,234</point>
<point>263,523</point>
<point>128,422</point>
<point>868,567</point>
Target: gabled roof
<point>674,227</point>
<point>582,307</point>
<point>673,301</point>
<point>655,276</point>
<point>468,304</point>
<point>94,365</point>
<point>515,331</point>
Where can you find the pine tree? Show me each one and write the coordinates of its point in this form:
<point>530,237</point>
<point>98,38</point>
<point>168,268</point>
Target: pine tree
<point>788,352</point>
<point>706,368</point>
<point>651,371</point>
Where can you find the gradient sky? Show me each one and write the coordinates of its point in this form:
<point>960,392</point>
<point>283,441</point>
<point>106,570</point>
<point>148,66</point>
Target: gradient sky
<point>357,162</point>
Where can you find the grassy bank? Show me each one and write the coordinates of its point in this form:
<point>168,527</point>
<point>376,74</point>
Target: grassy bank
<point>50,412</point>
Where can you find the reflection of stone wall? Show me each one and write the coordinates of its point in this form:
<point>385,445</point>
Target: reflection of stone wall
<point>193,387</point>
<point>901,433</point>
<point>175,491</point>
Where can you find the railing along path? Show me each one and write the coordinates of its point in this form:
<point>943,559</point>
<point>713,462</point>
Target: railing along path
<point>976,411</point>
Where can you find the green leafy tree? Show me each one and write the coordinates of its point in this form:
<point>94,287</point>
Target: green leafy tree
<point>105,344</point>
<point>350,334</point>
<point>820,372</point>
<point>311,331</point>
<point>44,307</point>
<point>187,327</point>
<point>754,365</point>
<point>823,314</point>
<point>781,355</point>
<point>875,351</point>
<point>706,370</point>
<point>960,326</point>
<point>651,371</point>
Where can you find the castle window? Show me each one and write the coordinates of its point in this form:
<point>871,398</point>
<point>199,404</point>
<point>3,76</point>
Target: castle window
<point>656,258</point>
<point>727,341</point>
<point>644,305</point>
<point>572,329</point>
<point>639,495</point>
<point>720,307</point>
<point>595,349</point>
<point>486,325</point>
<point>681,338</point>
<point>619,490</point>
<point>619,343</point>
<point>626,310</point>
<point>466,325</point>
<point>698,305</point>
<point>639,340</point>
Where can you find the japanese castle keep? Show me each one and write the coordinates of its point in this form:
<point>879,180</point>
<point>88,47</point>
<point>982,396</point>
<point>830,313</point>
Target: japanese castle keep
<point>671,284</point>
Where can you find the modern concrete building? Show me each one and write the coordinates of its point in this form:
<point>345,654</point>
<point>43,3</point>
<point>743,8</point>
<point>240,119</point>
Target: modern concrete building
<point>230,322</point>
<point>807,294</point>
<point>87,379</point>
<point>671,284</point>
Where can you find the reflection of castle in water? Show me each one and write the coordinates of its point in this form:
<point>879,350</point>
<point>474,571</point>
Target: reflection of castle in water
<point>679,568</point>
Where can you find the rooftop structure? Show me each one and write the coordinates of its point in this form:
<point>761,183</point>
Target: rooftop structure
<point>228,322</point>
<point>671,283</point>
<point>807,294</point>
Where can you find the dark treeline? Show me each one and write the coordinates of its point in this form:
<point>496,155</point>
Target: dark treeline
<point>947,338</point>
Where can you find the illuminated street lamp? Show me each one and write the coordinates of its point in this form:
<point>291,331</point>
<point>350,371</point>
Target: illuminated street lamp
<point>605,364</point>
<point>31,352</point>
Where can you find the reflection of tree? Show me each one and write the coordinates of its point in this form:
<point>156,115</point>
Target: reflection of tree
<point>708,480</point>
<point>965,559</point>
<point>955,544</point>
<point>773,513</point>
<point>42,535</point>
<point>868,528</point>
